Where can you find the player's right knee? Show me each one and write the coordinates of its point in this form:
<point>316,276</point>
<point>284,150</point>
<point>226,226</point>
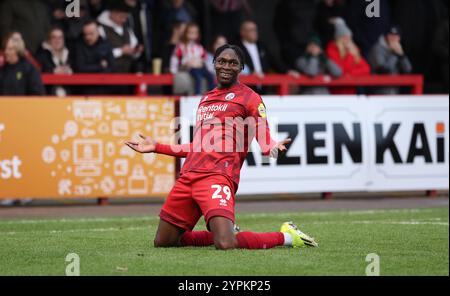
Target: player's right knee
<point>162,243</point>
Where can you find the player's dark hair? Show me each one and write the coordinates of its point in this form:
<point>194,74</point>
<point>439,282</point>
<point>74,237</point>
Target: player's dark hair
<point>236,49</point>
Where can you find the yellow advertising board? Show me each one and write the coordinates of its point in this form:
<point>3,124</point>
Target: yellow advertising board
<point>72,147</point>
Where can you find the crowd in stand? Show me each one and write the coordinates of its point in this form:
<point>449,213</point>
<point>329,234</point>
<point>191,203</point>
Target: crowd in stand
<point>316,37</point>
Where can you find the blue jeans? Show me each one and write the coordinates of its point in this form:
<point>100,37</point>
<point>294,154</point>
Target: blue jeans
<point>198,74</point>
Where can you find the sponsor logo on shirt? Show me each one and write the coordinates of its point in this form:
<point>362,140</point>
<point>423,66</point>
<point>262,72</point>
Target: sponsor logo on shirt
<point>207,112</point>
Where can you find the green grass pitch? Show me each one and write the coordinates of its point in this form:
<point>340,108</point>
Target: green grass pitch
<point>408,242</point>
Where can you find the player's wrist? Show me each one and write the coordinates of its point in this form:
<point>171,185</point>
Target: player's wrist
<point>157,148</point>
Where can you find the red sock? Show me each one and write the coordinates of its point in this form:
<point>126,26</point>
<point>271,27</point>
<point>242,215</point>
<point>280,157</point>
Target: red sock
<point>254,240</point>
<point>197,238</point>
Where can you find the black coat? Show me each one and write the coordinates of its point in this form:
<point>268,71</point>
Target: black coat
<point>88,58</point>
<point>45,58</point>
<point>21,79</point>
<point>268,61</point>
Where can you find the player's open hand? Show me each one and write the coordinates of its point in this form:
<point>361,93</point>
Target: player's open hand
<point>144,145</point>
<point>279,147</point>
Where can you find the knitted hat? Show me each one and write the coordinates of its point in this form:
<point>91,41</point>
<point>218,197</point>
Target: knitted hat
<point>315,39</point>
<point>341,29</point>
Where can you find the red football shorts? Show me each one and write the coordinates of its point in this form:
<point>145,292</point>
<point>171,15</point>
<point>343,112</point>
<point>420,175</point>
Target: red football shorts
<point>196,194</point>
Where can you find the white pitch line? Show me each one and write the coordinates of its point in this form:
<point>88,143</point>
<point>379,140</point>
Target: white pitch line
<point>78,220</point>
<point>251,215</point>
<point>343,212</point>
<point>410,222</point>
<point>76,230</point>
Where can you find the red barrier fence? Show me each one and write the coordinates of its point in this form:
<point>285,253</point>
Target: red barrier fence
<point>281,81</point>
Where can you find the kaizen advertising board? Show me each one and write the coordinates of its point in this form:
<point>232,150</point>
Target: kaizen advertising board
<point>347,143</point>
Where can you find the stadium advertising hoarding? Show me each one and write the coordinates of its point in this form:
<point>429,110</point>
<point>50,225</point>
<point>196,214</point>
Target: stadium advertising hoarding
<point>74,147</point>
<point>347,143</point>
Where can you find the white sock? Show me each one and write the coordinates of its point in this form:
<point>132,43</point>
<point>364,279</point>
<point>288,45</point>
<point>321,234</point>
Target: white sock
<point>287,239</point>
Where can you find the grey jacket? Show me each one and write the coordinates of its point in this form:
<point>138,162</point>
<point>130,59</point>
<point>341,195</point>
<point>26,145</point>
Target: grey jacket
<point>383,61</point>
<point>315,66</point>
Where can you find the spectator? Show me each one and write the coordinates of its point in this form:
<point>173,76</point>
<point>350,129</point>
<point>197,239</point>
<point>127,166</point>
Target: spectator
<point>114,28</point>
<point>18,76</point>
<point>387,57</point>
<point>30,18</point>
<point>344,52</point>
<point>327,12</point>
<point>440,50</point>
<point>314,63</point>
<point>54,58</point>
<point>227,15</point>
<point>189,55</point>
<point>93,54</point>
<point>258,59</point>
<point>293,24</point>
<point>17,35</point>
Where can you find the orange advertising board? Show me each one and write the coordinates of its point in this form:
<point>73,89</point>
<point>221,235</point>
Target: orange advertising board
<point>72,147</point>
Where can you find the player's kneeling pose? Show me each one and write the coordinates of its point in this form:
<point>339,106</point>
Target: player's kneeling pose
<point>228,118</point>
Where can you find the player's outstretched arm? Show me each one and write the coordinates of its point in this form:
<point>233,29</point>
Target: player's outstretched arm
<point>144,145</point>
<point>149,145</point>
<point>279,147</point>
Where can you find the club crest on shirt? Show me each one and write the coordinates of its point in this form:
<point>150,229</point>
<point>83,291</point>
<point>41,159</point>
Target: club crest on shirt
<point>262,110</point>
<point>229,96</point>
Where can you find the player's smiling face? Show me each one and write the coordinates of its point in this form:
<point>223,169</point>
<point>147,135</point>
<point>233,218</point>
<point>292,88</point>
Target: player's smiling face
<point>228,67</point>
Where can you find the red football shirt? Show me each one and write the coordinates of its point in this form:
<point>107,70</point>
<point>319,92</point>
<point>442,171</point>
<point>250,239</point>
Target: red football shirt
<point>227,121</point>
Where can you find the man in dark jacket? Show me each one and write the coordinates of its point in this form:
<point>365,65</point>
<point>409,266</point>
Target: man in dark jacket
<point>257,57</point>
<point>18,77</point>
<point>93,54</point>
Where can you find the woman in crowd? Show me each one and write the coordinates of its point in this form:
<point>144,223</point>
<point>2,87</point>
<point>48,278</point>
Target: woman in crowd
<point>54,58</point>
<point>346,54</point>
<point>18,76</point>
<point>189,55</point>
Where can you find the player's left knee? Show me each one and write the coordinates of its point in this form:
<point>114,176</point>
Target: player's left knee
<point>225,243</point>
